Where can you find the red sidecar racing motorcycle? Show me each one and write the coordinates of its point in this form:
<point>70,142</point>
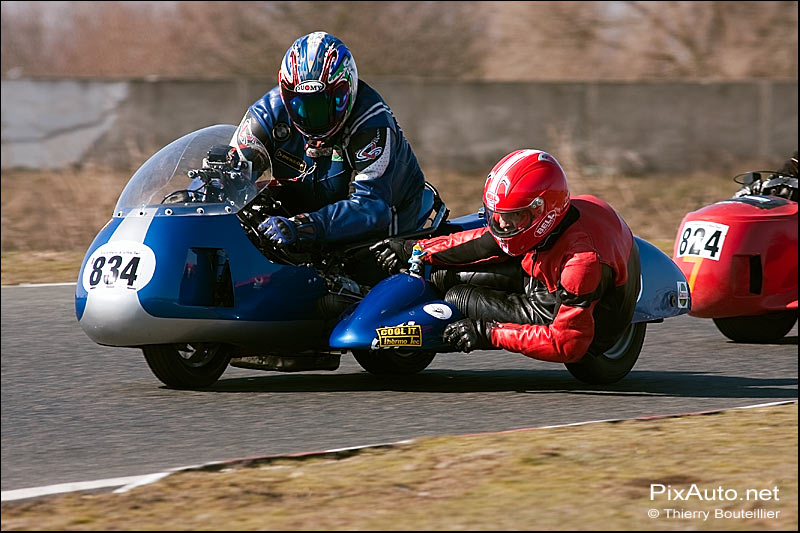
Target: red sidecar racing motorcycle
<point>740,258</point>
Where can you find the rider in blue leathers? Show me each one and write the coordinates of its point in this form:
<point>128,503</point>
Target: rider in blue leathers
<point>343,168</point>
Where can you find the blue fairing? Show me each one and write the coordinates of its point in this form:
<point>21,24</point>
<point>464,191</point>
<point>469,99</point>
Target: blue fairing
<point>399,300</point>
<point>257,283</point>
<point>665,292</point>
<point>207,283</point>
<point>180,281</point>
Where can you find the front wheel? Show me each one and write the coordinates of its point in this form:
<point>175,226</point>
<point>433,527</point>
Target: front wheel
<point>613,364</point>
<point>393,362</point>
<point>187,366</point>
<point>762,328</point>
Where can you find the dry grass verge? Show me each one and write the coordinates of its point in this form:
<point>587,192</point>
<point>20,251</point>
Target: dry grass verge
<point>40,267</point>
<point>57,210</point>
<point>591,477</point>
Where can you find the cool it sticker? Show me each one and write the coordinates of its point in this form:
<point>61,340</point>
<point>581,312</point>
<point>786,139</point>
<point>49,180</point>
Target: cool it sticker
<point>702,239</point>
<point>395,336</point>
<point>683,295</point>
<point>440,311</point>
<point>119,265</point>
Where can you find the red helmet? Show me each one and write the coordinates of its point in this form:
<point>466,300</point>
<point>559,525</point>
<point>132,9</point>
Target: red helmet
<point>525,198</point>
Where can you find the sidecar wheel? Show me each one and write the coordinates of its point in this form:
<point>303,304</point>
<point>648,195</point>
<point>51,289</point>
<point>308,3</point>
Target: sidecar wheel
<point>393,362</point>
<point>615,363</point>
<point>762,328</point>
<point>187,366</point>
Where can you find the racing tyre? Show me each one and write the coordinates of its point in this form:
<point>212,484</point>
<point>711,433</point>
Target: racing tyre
<point>613,364</point>
<point>187,366</point>
<point>393,362</point>
<point>762,328</point>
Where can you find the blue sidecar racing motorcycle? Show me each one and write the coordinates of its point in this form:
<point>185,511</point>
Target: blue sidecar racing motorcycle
<point>181,273</point>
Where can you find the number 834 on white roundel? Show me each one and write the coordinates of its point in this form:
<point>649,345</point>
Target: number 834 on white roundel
<point>119,265</point>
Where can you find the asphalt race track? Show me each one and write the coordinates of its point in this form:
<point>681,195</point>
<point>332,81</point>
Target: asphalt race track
<point>75,411</point>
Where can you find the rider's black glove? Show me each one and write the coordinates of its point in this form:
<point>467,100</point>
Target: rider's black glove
<point>282,231</point>
<point>392,254</point>
<point>468,334</point>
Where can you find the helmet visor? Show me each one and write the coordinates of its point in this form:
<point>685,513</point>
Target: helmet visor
<point>505,224</point>
<point>317,114</point>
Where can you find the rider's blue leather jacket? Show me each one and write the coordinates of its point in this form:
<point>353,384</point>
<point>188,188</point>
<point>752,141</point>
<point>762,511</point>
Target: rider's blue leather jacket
<point>370,185</point>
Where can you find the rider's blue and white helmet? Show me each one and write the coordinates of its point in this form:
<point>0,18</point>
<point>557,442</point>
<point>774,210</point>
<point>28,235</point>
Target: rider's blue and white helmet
<point>318,81</point>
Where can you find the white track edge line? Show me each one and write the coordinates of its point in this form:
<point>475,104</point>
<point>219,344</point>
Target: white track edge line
<point>131,482</point>
<point>19,494</point>
<point>28,285</point>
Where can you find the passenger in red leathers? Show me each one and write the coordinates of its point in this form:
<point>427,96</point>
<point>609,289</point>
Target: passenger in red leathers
<point>550,276</point>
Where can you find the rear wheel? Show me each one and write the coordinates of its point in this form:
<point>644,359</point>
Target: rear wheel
<point>613,364</point>
<point>393,362</point>
<point>762,328</point>
<point>187,366</point>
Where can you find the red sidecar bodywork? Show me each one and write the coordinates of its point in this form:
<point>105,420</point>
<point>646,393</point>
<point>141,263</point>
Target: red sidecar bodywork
<point>740,257</point>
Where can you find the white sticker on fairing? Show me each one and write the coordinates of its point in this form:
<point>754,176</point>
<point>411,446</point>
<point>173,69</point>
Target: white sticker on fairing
<point>440,311</point>
<point>683,295</point>
<point>119,265</point>
<point>702,239</point>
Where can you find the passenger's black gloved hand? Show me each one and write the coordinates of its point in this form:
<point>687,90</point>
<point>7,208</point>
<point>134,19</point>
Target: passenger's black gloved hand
<point>392,254</point>
<point>467,334</point>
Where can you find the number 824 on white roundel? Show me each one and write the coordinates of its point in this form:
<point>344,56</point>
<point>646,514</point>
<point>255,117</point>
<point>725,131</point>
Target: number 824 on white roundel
<point>702,239</point>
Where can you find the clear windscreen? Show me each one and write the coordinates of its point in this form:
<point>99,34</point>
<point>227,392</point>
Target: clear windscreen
<point>178,174</point>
